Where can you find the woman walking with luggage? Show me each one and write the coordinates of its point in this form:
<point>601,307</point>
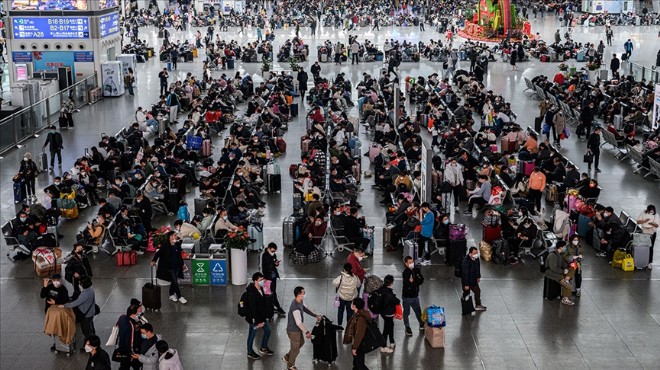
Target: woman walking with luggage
<point>170,266</point>
<point>346,288</point>
<point>28,171</point>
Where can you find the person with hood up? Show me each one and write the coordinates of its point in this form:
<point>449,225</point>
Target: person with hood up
<point>169,357</point>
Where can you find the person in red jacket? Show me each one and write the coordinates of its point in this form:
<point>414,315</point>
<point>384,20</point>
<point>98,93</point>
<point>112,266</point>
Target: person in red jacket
<point>355,259</point>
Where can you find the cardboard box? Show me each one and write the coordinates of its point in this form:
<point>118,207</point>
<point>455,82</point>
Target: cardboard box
<point>435,336</point>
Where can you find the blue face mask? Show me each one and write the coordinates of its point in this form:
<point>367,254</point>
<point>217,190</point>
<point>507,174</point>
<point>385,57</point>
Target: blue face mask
<point>262,283</point>
<point>144,336</point>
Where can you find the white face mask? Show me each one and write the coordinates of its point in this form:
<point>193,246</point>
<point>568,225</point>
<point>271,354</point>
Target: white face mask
<point>473,256</point>
<point>25,159</point>
<point>411,265</point>
<point>360,258</point>
<point>575,242</point>
<point>88,348</point>
<point>57,284</point>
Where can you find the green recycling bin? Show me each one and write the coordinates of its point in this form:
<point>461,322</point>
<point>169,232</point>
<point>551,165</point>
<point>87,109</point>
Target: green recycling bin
<point>200,269</point>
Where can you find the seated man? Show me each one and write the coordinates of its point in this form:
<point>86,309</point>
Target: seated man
<point>615,236</point>
<point>479,195</point>
<point>353,230</point>
<point>525,235</point>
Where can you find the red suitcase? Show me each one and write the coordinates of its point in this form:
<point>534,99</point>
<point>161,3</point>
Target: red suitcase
<point>207,150</point>
<point>508,146</point>
<point>126,258</point>
<point>492,233</point>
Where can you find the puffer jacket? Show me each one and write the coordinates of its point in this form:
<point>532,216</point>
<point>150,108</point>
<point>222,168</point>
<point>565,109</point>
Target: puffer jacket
<point>347,286</point>
<point>559,121</point>
<point>149,360</point>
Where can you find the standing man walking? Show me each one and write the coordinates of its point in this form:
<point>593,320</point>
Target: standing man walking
<point>628,47</point>
<point>355,51</point>
<point>376,26</point>
<point>163,76</point>
<point>256,316</point>
<point>302,83</point>
<point>427,222</point>
<point>608,34</point>
<point>471,276</point>
<point>421,23</point>
<point>269,264</point>
<point>614,65</point>
<point>54,139</point>
<point>593,146</point>
<point>295,328</point>
<point>412,279</point>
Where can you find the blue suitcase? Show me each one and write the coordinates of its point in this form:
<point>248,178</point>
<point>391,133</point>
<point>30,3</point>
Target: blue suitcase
<point>19,192</point>
<point>583,225</point>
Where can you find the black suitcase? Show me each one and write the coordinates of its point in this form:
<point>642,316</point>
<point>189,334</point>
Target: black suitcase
<point>467,304</point>
<point>537,124</point>
<point>19,192</point>
<point>551,289</point>
<point>200,205</point>
<point>274,183</point>
<point>151,294</point>
<point>324,341</point>
<point>173,200</point>
<point>294,109</point>
<point>63,122</point>
<point>180,183</point>
<point>456,252</point>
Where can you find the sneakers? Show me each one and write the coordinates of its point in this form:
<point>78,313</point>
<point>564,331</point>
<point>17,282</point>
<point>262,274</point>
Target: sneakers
<point>479,308</point>
<point>422,327</point>
<point>650,266</point>
<point>386,350</point>
<point>578,292</point>
<point>408,332</point>
<point>467,212</point>
<point>183,300</point>
<point>253,356</point>
<point>173,298</point>
<point>263,191</point>
<point>340,328</point>
<point>419,261</point>
<point>597,170</point>
<point>392,345</point>
<point>139,252</point>
<point>425,263</point>
<point>567,302</point>
<point>601,254</point>
<point>266,351</point>
<point>456,209</point>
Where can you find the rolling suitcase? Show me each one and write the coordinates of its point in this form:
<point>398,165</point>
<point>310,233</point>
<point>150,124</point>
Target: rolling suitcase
<point>641,254</point>
<point>294,110</point>
<point>324,341</point>
<point>180,183</point>
<point>256,233</point>
<point>173,199</point>
<point>126,258</point>
<point>200,204</point>
<point>537,124</point>
<point>288,231</point>
<point>388,230</point>
<point>374,150</point>
<point>583,225</point>
<point>42,162</point>
<point>207,148</point>
<point>298,205</point>
<point>618,120</point>
<point>19,191</point>
<point>492,233</point>
<point>274,183</point>
<point>59,346</point>
<point>456,252</point>
<point>551,289</point>
<point>410,249</point>
<point>151,294</point>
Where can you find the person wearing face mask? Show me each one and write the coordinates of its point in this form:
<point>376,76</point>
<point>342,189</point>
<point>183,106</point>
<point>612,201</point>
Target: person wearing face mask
<point>295,328</point>
<point>412,279</point>
<point>615,237</point>
<point>223,225</point>
<point>471,276</point>
<point>356,330</point>
<point>346,288</point>
<point>269,264</point>
<point>593,146</point>
<point>649,221</point>
<point>54,139</point>
<point>54,292</point>
<point>427,220</point>
<point>557,270</point>
<point>148,355</point>
<point>573,257</point>
<point>256,316</point>
<point>98,357</point>
<point>355,259</point>
<point>170,266</point>
<point>525,235</point>
<point>389,301</point>
<point>28,170</point>
<point>129,340</point>
<point>85,304</point>
<point>77,267</point>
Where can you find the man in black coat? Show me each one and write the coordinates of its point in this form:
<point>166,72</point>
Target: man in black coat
<point>353,230</point>
<point>269,263</point>
<point>256,316</point>
<point>145,210</point>
<point>614,64</point>
<point>471,276</point>
<point>54,291</point>
<point>593,145</point>
<point>54,138</point>
<point>302,83</point>
<point>77,266</point>
<point>412,279</point>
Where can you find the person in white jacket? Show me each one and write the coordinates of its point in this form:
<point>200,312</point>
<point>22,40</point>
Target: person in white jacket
<point>148,355</point>
<point>346,287</point>
<point>169,358</point>
<point>649,221</point>
<point>454,176</point>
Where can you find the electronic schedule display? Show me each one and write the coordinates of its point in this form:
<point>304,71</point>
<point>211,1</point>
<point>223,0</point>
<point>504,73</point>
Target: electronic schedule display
<point>109,24</point>
<point>50,27</point>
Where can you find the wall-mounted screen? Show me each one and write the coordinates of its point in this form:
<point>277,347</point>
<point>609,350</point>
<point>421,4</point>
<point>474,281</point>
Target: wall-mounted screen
<point>108,4</point>
<point>50,27</point>
<point>50,4</point>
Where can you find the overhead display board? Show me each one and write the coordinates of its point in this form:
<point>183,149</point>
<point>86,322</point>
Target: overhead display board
<point>50,4</point>
<point>50,27</point>
<point>109,24</point>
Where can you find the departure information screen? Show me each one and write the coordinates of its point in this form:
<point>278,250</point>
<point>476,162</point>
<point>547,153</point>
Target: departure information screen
<point>50,27</point>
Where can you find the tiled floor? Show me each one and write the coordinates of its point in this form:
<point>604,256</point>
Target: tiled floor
<point>615,324</point>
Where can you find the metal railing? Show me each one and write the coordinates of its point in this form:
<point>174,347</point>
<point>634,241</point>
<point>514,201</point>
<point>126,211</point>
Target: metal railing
<point>639,72</point>
<point>31,120</point>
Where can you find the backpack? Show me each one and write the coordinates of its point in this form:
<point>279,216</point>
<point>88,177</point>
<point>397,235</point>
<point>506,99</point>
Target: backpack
<point>372,283</point>
<point>242,305</point>
<point>376,301</point>
<point>131,191</point>
<point>373,338</point>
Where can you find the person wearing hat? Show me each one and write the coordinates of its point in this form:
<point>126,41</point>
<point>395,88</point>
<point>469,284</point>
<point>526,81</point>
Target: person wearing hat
<point>54,291</point>
<point>593,147</point>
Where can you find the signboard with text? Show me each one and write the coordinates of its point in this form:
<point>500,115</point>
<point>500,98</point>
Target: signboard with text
<point>50,27</point>
<point>109,24</point>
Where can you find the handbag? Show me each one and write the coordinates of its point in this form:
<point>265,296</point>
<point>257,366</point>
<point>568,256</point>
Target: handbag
<point>588,157</point>
<point>337,299</point>
<point>112,340</point>
<point>119,355</point>
<point>398,312</point>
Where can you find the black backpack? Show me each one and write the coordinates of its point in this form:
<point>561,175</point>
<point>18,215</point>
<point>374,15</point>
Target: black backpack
<point>373,338</point>
<point>376,301</point>
<point>243,305</point>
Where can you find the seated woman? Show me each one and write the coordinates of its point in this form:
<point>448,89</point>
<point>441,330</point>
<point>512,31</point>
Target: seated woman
<point>315,231</point>
<point>525,235</point>
<point>590,191</point>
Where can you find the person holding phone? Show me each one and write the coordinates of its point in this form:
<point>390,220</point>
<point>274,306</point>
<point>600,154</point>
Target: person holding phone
<point>269,264</point>
<point>170,266</point>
